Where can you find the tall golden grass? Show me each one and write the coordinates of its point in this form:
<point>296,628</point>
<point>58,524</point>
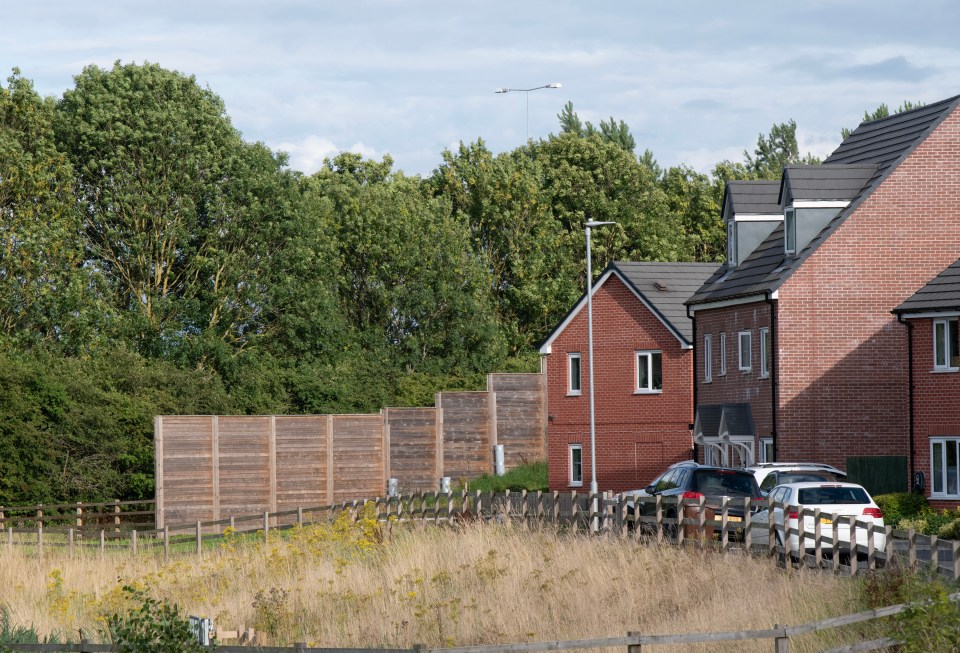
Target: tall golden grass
<point>357,584</point>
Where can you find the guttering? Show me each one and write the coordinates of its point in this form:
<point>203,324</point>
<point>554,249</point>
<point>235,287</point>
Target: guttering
<point>694,339</point>
<point>769,298</point>
<point>910,428</point>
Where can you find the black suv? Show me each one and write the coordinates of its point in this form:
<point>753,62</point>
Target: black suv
<point>689,480</point>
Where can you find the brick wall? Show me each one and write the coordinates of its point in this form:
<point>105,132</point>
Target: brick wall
<point>936,403</point>
<point>843,361</point>
<point>841,356</point>
<point>637,435</point>
<point>736,386</point>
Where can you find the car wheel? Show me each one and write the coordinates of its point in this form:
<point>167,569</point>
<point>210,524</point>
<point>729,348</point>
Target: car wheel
<point>781,552</point>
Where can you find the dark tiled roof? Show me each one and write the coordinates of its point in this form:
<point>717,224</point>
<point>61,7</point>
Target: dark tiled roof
<point>824,182</point>
<point>941,294</point>
<point>753,197</point>
<point>881,143</point>
<point>664,286</point>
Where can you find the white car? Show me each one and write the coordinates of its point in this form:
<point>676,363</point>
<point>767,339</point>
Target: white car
<point>769,475</point>
<point>833,500</point>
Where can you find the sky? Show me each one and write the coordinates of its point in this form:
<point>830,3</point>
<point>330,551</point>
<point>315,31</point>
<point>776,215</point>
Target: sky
<point>696,82</point>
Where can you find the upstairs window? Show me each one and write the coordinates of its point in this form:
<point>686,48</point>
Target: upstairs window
<point>745,339</point>
<point>649,371</point>
<point>946,347</point>
<point>731,243</point>
<point>723,355</point>
<point>708,358</point>
<point>764,352</point>
<point>790,231</point>
<point>573,374</point>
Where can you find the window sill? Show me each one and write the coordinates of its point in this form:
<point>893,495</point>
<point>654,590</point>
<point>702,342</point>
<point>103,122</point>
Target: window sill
<point>574,394</point>
<point>575,485</point>
<point>648,392</point>
<point>944,497</point>
<point>765,376</point>
<point>708,380</point>
<point>945,370</point>
<point>748,370</point>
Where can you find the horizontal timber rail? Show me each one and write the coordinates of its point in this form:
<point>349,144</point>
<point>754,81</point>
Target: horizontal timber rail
<point>634,642</point>
<point>733,523</point>
<point>81,516</point>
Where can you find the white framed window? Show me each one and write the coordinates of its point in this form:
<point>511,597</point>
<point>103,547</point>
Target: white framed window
<point>944,467</point>
<point>946,348</point>
<point>574,386</point>
<point>723,355</point>
<point>744,344</point>
<point>790,231</point>
<point>766,450</point>
<point>649,372</point>
<point>764,352</point>
<point>731,243</point>
<point>576,465</point>
<point>708,358</point>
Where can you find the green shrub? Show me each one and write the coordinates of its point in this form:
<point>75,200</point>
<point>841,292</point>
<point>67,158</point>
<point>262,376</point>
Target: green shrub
<point>154,627</point>
<point>950,530</point>
<point>901,505</point>
<point>531,477</point>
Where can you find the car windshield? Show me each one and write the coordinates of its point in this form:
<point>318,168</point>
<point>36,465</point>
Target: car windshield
<point>826,495</point>
<point>720,483</point>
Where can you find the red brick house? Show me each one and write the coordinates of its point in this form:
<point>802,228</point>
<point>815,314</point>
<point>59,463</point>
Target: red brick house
<point>643,375</point>
<point>933,343</point>
<point>812,350</point>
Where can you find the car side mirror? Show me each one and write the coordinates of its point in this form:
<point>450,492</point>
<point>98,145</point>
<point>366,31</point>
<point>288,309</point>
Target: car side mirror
<point>650,489</point>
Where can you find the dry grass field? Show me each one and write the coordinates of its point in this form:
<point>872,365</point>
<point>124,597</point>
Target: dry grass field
<point>354,584</point>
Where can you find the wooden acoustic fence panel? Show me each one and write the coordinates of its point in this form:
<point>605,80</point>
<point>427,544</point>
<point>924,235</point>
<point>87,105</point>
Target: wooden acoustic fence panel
<point>187,469</point>
<point>520,423</point>
<point>301,461</point>
<point>467,448</point>
<point>413,448</point>
<point>358,457</point>
<point>245,483</point>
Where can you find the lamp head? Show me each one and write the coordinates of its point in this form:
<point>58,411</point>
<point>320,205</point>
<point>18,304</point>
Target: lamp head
<point>555,85</point>
<point>594,223</point>
<point>501,90</point>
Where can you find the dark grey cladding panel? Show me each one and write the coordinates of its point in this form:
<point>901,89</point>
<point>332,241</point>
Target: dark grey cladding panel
<point>825,182</point>
<point>753,197</point>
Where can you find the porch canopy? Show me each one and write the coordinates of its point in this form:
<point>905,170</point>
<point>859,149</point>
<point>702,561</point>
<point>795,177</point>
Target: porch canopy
<point>727,434</point>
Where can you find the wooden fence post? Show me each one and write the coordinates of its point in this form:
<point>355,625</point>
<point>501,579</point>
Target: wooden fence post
<point>199,539</point>
<point>133,541</point>
<point>103,543</point>
<point>166,542</point>
<point>266,526</point>
<point>634,648</point>
<point>116,515</point>
<point>300,515</point>
<point>781,643</point>
<point>70,540</point>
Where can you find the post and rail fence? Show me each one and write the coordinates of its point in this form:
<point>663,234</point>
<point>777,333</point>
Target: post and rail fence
<point>634,642</point>
<point>127,526</point>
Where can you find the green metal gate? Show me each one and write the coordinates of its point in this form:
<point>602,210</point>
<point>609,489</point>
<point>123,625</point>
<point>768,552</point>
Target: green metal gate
<point>879,474</point>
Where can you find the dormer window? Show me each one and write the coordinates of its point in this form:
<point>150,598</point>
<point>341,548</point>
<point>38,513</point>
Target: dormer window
<point>731,243</point>
<point>790,231</point>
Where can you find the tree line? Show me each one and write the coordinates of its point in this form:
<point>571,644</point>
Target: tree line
<point>152,261</point>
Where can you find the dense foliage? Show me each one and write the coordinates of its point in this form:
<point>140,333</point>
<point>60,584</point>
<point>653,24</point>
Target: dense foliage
<point>153,262</point>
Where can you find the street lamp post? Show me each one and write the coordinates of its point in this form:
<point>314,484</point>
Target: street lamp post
<point>527,91</point>
<point>593,437</point>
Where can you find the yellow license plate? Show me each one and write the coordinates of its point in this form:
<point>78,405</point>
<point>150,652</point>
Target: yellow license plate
<point>826,520</point>
<point>729,519</point>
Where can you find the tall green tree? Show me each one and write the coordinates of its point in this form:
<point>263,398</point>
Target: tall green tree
<point>169,207</point>
<point>406,274</point>
<point>775,150</point>
<point>44,289</point>
<point>610,131</point>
